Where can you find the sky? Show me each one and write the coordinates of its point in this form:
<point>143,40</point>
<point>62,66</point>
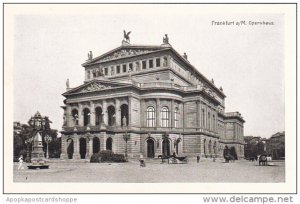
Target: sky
<point>247,61</point>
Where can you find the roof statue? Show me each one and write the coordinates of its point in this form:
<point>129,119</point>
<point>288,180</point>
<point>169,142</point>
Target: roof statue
<point>90,55</point>
<point>126,36</point>
<point>68,84</point>
<point>185,56</point>
<point>166,39</point>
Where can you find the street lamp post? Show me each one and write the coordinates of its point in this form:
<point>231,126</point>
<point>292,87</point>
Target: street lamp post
<point>126,137</point>
<point>38,123</point>
<point>28,142</point>
<point>47,140</point>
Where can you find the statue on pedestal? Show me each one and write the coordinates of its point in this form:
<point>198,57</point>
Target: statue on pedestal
<point>166,39</point>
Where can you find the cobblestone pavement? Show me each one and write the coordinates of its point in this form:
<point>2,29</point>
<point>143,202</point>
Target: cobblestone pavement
<point>131,172</point>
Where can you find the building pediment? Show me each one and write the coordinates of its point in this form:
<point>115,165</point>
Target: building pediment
<point>95,85</point>
<point>124,52</point>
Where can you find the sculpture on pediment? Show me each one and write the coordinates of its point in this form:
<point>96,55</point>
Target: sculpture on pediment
<point>166,39</point>
<point>90,55</point>
<point>94,87</point>
<point>68,84</point>
<point>126,36</point>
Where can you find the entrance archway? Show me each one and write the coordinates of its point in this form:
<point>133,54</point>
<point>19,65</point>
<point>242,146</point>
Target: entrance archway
<point>124,115</point>
<point>82,148</point>
<point>70,148</point>
<point>166,147</point>
<point>109,142</point>
<point>111,115</point>
<point>96,145</point>
<point>150,148</point>
<point>233,152</point>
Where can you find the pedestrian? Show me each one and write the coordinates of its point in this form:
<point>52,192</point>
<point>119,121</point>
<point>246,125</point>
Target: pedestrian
<point>142,162</point>
<point>198,158</point>
<point>20,163</point>
<point>214,159</point>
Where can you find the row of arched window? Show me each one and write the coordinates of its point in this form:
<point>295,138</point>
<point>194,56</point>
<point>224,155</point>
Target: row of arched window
<point>164,117</point>
<point>111,116</point>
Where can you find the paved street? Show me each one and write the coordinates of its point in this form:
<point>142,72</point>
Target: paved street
<point>205,171</point>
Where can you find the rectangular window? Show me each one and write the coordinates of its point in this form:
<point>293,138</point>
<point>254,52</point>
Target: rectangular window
<point>158,62</point>
<point>144,65</point>
<point>118,69</point>
<point>151,63</point>
<point>124,68</point>
<point>106,71</point>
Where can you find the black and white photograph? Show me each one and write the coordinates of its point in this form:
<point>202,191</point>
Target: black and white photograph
<point>149,98</point>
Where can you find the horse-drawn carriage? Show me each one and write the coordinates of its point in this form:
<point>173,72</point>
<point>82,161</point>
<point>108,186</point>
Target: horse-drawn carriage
<point>173,159</point>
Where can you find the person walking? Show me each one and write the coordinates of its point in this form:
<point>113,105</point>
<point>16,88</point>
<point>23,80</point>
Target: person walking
<point>198,158</point>
<point>20,163</point>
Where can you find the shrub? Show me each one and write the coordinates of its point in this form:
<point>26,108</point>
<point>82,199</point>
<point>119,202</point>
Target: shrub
<point>107,156</point>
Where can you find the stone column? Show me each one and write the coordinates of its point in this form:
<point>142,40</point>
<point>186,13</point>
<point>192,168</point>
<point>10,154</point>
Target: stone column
<point>93,115</point>
<point>143,113</point>
<point>64,153</point>
<point>69,117</point>
<point>157,112</point>
<point>87,152</point>
<point>202,155</point>
<point>201,116</point>
<point>91,146</point>
<point>76,154</point>
<point>118,112</point>
<point>80,115</point>
<point>172,114</point>
<point>197,115</point>
<point>104,111</point>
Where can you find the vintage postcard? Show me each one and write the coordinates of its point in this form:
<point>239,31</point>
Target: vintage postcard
<point>150,98</point>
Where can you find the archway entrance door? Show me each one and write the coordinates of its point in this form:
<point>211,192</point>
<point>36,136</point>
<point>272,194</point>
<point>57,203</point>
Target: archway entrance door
<point>96,145</point>
<point>70,148</point>
<point>109,143</point>
<point>166,147</point>
<point>82,149</point>
<point>150,148</point>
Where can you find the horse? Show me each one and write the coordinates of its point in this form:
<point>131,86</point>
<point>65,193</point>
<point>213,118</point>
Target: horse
<point>228,157</point>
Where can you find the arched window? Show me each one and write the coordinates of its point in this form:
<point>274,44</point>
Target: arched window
<point>75,116</point>
<point>150,117</point>
<point>86,116</point>
<point>98,111</point>
<point>176,117</point>
<point>164,117</point>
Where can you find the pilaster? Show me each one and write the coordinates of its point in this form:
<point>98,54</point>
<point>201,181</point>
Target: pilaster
<point>118,112</point>
<point>80,115</point>
<point>93,116</point>
<point>105,113</point>
<point>172,125</point>
<point>76,154</point>
<point>157,112</point>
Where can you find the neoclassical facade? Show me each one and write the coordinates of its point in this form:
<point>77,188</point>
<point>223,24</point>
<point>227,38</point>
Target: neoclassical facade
<point>157,98</point>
